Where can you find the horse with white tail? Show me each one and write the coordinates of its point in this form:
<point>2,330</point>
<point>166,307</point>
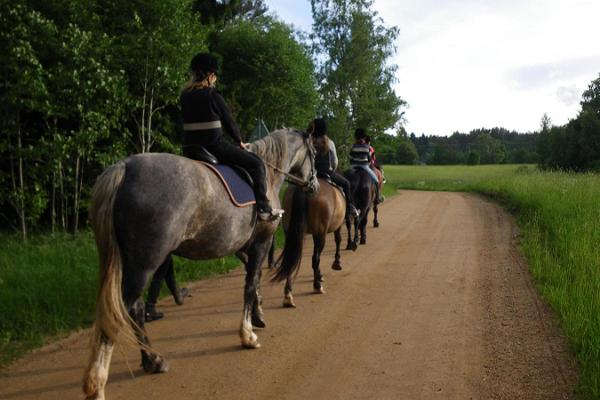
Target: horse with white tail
<point>149,206</point>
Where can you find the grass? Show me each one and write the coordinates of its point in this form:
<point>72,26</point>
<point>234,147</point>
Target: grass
<point>559,215</point>
<point>48,287</point>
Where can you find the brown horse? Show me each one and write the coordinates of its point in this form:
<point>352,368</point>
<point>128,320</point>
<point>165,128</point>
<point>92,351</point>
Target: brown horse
<point>317,215</point>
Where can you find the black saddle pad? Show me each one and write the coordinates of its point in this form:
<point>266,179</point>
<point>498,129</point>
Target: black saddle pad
<point>239,190</point>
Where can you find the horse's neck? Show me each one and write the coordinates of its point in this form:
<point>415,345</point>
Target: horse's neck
<point>277,155</point>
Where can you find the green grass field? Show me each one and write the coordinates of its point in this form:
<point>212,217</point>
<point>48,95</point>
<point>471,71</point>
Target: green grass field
<point>559,215</point>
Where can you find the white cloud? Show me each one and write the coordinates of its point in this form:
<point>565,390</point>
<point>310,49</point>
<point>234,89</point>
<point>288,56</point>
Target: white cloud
<point>465,64</point>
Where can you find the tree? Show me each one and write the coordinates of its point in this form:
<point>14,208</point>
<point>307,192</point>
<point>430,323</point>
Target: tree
<point>406,153</point>
<point>355,77</point>
<point>219,13</point>
<point>22,90</point>
<point>473,158</point>
<point>590,101</point>
<point>153,43</point>
<point>266,74</point>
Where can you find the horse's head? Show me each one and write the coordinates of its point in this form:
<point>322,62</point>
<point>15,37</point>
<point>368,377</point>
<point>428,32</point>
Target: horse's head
<point>302,164</point>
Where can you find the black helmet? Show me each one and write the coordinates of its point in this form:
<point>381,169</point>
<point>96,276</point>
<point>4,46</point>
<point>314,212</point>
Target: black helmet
<point>320,127</point>
<point>360,133</point>
<point>203,64</point>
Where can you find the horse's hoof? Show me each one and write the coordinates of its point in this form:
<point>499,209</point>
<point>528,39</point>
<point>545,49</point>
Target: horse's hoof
<point>251,342</point>
<point>155,364</point>
<point>96,396</point>
<point>336,266</point>
<point>363,241</point>
<point>375,224</point>
<point>258,322</point>
<point>289,303</point>
<point>319,290</point>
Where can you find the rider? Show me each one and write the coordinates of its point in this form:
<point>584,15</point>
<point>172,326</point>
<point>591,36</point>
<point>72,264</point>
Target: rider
<point>205,114</point>
<point>326,161</point>
<point>166,273</point>
<point>374,162</point>
<point>360,157</point>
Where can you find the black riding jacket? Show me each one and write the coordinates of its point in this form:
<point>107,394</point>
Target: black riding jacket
<point>206,105</point>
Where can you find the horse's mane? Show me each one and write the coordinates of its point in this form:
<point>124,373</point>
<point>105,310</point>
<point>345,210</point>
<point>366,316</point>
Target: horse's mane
<point>273,148</point>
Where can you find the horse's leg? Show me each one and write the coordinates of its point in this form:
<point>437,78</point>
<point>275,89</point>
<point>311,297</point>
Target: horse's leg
<point>357,222</point>
<point>375,220</point>
<point>98,369</point>
<point>319,244</point>
<point>351,243</point>
<point>337,265</point>
<point>271,259</point>
<point>256,255</point>
<point>363,228</point>
<point>133,287</point>
<point>258,317</point>
<point>288,299</point>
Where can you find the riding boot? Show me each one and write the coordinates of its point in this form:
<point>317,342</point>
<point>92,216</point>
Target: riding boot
<point>351,211</point>
<point>151,313</point>
<point>379,197</point>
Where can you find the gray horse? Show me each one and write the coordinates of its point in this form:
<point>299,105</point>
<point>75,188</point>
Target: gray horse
<point>146,207</point>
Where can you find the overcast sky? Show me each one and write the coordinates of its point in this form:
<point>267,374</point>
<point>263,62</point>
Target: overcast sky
<point>466,64</point>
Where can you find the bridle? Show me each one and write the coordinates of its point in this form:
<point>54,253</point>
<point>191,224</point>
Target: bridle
<point>290,178</point>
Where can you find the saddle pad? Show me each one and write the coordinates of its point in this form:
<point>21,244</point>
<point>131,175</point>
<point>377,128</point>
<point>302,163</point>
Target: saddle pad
<point>239,191</point>
<point>332,184</point>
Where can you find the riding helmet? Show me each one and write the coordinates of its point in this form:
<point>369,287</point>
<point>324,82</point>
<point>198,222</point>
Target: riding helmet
<point>204,63</point>
<point>320,127</point>
<point>360,133</point>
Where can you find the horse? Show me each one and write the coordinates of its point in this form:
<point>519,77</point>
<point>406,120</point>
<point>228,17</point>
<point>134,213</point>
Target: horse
<point>318,215</point>
<point>149,206</point>
<point>364,195</point>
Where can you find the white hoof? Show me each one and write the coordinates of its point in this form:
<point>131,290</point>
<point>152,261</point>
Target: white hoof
<point>288,302</point>
<point>249,339</point>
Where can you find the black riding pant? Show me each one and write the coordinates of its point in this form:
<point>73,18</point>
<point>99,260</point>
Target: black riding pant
<point>166,273</point>
<point>342,182</point>
<point>227,153</point>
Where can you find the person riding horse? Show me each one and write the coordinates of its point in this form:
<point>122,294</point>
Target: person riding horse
<point>326,162</point>
<point>360,157</point>
<point>205,114</point>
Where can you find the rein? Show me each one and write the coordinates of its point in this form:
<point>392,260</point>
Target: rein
<point>289,177</point>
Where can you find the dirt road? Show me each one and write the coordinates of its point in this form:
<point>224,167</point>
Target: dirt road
<point>438,304</point>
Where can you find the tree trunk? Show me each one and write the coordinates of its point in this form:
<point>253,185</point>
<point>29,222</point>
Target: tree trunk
<point>75,199</point>
<point>21,198</point>
<point>53,211</point>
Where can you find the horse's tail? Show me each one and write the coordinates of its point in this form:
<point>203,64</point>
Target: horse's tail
<point>112,320</point>
<point>290,257</point>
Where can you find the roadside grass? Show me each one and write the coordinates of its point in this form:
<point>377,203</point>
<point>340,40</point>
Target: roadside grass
<point>559,217</point>
<point>48,287</point>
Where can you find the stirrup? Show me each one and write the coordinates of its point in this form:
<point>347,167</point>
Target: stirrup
<point>272,215</point>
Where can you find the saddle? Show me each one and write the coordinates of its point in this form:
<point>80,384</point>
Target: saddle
<point>236,180</point>
<point>327,178</point>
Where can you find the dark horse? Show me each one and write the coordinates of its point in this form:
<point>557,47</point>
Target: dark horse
<point>364,195</point>
<point>317,215</point>
<point>146,207</point>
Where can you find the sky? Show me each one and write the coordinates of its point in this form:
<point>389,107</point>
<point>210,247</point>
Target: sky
<point>468,64</point>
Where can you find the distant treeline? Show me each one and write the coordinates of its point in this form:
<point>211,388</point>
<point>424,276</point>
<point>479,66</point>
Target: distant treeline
<point>480,146</point>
